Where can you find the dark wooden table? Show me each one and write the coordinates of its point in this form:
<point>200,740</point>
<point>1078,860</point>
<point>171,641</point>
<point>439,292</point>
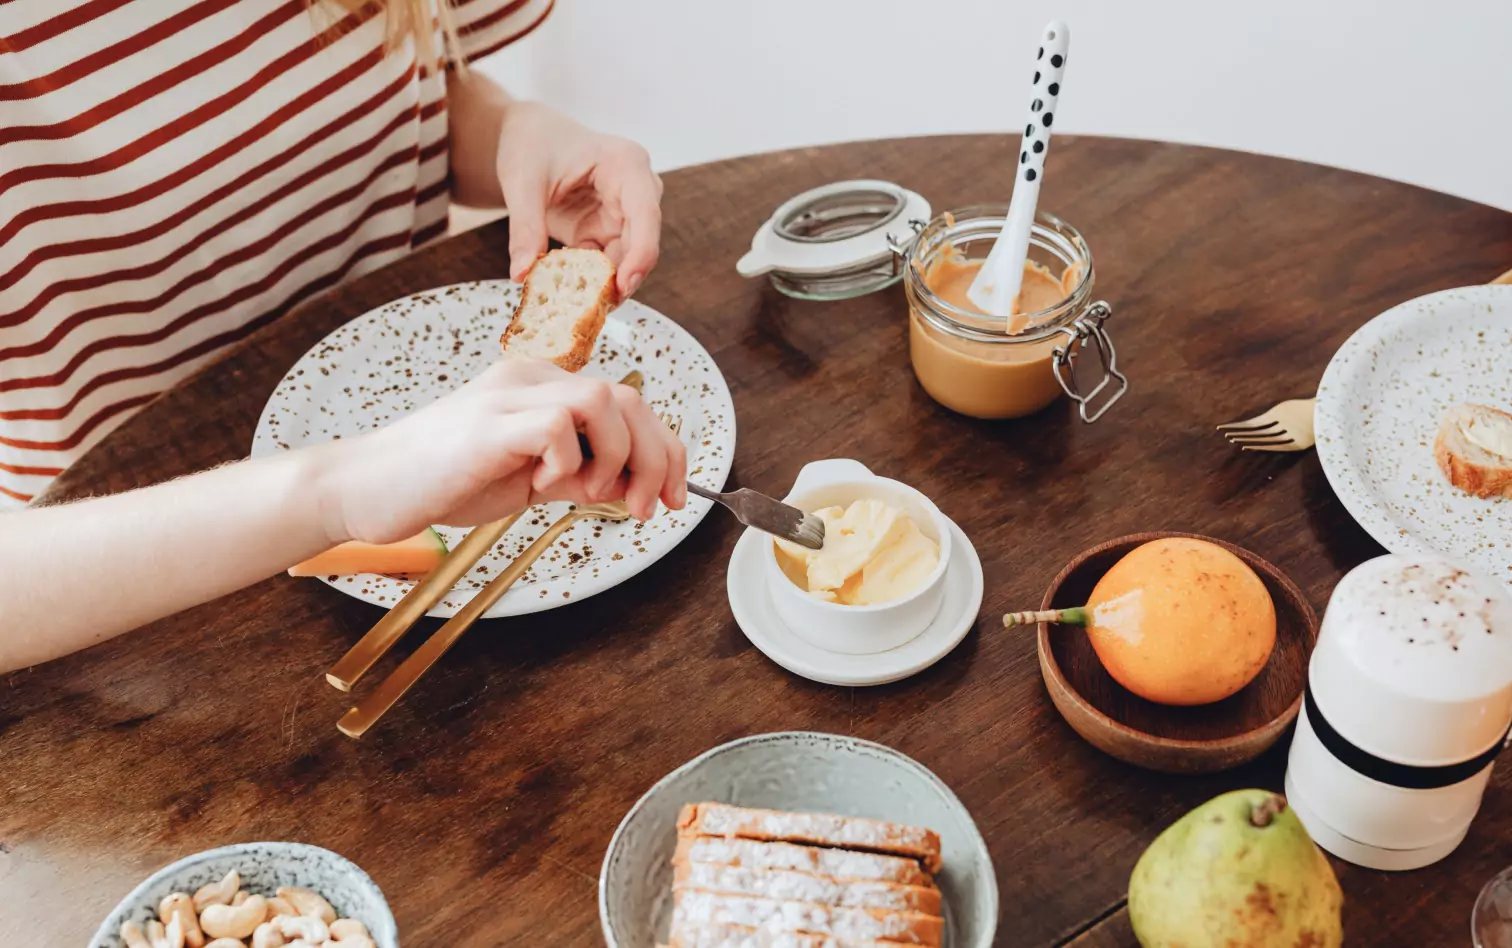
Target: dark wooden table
<point>482,805</point>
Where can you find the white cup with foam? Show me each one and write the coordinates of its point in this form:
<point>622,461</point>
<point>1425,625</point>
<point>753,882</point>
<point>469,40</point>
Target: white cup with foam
<point>1408,704</point>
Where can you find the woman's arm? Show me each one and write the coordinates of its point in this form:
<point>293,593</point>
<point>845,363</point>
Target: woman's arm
<point>75,575</point>
<point>557,178</point>
<point>475,106</point>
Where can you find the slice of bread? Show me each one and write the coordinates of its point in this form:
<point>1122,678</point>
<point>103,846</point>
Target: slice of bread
<point>819,829</point>
<point>835,863</point>
<point>696,909</point>
<point>741,936</point>
<point>1469,450</point>
<point>563,304</point>
<point>794,886</point>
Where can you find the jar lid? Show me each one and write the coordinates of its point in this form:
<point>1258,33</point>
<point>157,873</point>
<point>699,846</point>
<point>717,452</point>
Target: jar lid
<point>836,241</point>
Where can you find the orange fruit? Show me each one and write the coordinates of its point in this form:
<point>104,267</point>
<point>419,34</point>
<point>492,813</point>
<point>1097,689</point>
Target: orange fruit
<point>1181,621</point>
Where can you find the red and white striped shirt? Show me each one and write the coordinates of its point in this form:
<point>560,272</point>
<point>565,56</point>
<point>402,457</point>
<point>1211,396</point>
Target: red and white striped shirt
<point>177,173</point>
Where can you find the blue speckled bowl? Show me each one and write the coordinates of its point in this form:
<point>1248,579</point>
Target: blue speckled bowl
<point>263,867</point>
<point>801,771</point>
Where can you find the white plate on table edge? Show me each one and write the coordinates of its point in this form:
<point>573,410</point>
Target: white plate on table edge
<point>355,379</point>
<point>751,603</point>
<point>1378,411</point>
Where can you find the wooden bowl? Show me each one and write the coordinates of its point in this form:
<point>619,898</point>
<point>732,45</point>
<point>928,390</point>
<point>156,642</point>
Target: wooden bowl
<point>1178,740</point>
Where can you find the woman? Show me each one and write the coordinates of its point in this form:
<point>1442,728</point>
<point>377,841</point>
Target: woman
<point>175,174</point>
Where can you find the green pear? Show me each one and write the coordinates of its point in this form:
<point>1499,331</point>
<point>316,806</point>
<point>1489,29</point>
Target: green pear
<point>1239,871</point>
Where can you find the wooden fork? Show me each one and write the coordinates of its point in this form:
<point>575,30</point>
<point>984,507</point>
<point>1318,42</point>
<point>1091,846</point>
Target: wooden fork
<point>1286,427</point>
<point>356,721</point>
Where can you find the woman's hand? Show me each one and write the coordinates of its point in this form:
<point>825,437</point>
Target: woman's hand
<point>581,187</point>
<point>506,440</point>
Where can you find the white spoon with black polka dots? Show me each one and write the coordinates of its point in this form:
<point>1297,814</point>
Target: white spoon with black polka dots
<point>996,287</point>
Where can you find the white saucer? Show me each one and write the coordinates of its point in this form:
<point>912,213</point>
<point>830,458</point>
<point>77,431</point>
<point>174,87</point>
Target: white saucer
<point>751,602</point>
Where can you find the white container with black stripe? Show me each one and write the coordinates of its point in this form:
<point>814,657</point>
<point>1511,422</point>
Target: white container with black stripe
<point>1408,704</point>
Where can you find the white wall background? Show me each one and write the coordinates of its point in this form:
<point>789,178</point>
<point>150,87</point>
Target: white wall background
<point>1417,90</point>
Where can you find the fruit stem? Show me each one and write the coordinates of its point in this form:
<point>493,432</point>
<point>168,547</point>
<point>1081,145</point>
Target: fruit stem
<point>1267,810</point>
<point>1076,616</point>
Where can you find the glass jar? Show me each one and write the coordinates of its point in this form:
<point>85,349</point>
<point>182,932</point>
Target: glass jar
<point>989,367</point>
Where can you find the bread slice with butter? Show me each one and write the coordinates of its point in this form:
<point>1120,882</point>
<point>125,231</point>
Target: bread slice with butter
<point>796,886</point>
<point>743,936</point>
<point>841,864</point>
<point>563,304</point>
<point>1474,450</point>
<point>816,829</point>
<point>756,878</point>
<point>697,911</point>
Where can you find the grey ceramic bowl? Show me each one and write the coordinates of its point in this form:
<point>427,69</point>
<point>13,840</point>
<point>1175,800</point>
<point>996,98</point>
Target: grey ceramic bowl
<point>804,772</point>
<point>263,867</point>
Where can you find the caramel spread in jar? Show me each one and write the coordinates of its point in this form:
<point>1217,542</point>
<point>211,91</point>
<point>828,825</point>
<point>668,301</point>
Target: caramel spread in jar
<point>949,277</point>
<point>1001,378</point>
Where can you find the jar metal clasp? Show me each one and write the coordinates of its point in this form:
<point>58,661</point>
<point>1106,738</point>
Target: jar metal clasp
<point>901,248</point>
<point>1087,329</point>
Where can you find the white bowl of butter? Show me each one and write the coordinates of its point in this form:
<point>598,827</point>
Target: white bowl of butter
<point>879,580</point>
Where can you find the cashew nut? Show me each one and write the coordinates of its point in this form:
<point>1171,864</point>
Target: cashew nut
<point>170,937</point>
<point>133,936</point>
<point>234,921</point>
<point>351,941</point>
<point>240,897</point>
<point>181,907</point>
<point>302,928</point>
<point>308,902</point>
<point>217,893</point>
<point>227,943</point>
<point>348,928</point>
<point>277,907</point>
<point>268,936</point>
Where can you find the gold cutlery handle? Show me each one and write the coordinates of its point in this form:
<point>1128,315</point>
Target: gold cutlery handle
<point>356,722</point>
<point>416,603</point>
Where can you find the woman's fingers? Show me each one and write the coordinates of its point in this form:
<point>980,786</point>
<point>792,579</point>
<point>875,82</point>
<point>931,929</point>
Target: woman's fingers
<point>675,489</point>
<point>635,456</point>
<point>595,410</point>
<point>639,198</point>
<point>650,457</point>
<point>561,455</point>
<point>608,436</point>
<point>544,438</point>
<point>526,190</point>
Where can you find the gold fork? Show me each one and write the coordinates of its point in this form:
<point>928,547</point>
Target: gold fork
<point>366,713</point>
<point>427,592</point>
<point>1286,427</point>
<point>1289,425</point>
<point>356,722</point>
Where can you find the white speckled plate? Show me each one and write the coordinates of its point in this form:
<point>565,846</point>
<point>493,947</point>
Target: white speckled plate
<point>801,772</point>
<point>1378,411</point>
<point>406,354</point>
